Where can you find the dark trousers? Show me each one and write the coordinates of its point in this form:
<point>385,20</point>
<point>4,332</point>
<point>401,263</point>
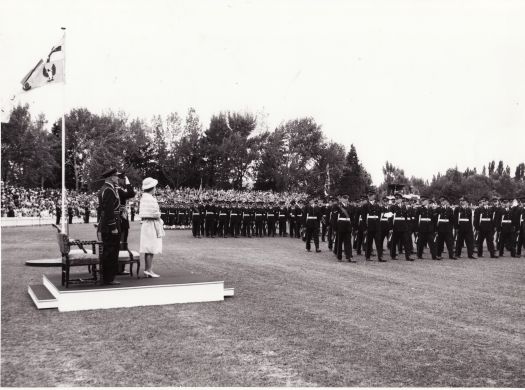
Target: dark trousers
<point>70,219</point>
<point>372,236</point>
<point>486,235</point>
<point>330,235</point>
<point>423,239</point>
<point>344,238</point>
<point>210,227</point>
<point>109,256</point>
<point>298,230</point>
<point>467,237</point>
<point>246,228</point>
<point>271,227</point>
<point>86,218</point>
<point>58,220</point>
<point>312,232</point>
<point>292,227</point>
<point>400,238</point>
<point>507,239</point>
<point>323,232</point>
<point>235,226</point>
<point>445,238</point>
<point>222,229</point>
<point>196,226</point>
<point>259,227</point>
<point>521,240</point>
<point>358,242</point>
<point>282,227</point>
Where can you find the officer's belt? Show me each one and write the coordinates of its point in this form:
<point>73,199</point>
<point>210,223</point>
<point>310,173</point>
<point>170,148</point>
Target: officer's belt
<point>222,214</point>
<point>299,215</point>
<point>233,214</point>
<point>312,217</point>
<point>384,219</point>
<point>485,219</point>
<point>271,215</point>
<point>443,220</point>
<point>506,221</point>
<point>399,218</point>
<point>258,215</point>
<point>281,215</point>
<point>343,219</point>
<point>209,212</point>
<point>464,220</point>
<point>372,217</point>
<point>425,219</point>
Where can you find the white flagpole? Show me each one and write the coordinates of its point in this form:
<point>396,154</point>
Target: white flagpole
<point>65,225</point>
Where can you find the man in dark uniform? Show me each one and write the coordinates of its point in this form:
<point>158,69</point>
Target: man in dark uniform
<point>109,226</point>
<point>343,221</point>
<point>58,212</point>
<point>521,227</point>
<point>463,219</point>
<point>331,217</point>
<point>484,222</point>
<point>445,219</point>
<point>125,191</point>
<point>271,215</point>
<point>196,219</point>
<point>223,211</point>
<point>359,226</point>
<point>291,217</point>
<point>400,232</point>
<point>258,214</point>
<point>313,217</point>
<point>371,213</point>
<point>235,220</point>
<point>385,223</point>
<point>425,218</point>
<point>86,212</point>
<point>324,220</point>
<point>508,224</point>
<point>132,207</point>
<point>210,218</point>
<point>282,215</point>
<point>70,214</point>
<point>300,218</point>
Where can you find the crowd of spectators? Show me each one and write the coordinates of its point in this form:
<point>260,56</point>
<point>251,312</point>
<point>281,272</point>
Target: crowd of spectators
<point>42,203</point>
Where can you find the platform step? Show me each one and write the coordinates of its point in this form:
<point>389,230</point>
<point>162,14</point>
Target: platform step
<point>228,292</point>
<point>41,296</point>
<point>45,262</point>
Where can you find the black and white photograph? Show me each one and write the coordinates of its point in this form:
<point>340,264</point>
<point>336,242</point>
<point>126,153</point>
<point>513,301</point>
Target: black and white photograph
<point>249,193</point>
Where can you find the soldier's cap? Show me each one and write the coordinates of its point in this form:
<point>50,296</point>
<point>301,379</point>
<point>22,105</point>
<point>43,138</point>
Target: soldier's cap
<point>433,201</point>
<point>483,199</point>
<point>371,192</point>
<point>495,198</point>
<point>505,200</point>
<point>385,199</point>
<point>345,196</point>
<point>463,198</point>
<point>110,172</point>
<point>443,197</point>
<point>398,195</point>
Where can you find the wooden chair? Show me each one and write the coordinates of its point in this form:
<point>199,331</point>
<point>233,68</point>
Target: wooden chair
<point>74,258</point>
<point>127,256</point>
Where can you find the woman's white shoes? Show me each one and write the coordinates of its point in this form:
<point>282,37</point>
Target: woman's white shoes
<point>151,274</point>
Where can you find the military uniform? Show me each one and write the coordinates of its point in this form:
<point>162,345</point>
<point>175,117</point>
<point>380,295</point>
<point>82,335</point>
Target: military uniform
<point>463,224</point>
<point>445,219</point>
<point>508,225</point>
<point>371,213</point>
<point>271,216</point>
<point>109,228</point>
<point>282,217</point>
<point>400,229</point>
<point>485,222</point>
<point>426,218</point>
<point>313,216</point>
<point>343,219</point>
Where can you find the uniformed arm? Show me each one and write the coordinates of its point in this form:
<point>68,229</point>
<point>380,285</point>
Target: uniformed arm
<point>126,193</point>
<point>108,208</point>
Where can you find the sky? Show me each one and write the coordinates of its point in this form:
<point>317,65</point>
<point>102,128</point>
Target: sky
<point>426,85</point>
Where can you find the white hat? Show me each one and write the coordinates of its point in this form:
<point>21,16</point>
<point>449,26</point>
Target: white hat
<point>148,183</point>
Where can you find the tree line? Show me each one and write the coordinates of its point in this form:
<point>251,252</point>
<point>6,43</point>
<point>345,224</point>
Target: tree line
<point>231,152</point>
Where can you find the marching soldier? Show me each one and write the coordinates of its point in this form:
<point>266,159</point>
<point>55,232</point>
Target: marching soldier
<point>445,217</point>
<point>463,223</point>
<point>331,216</point>
<point>400,229</point>
<point>209,218</point>
<point>259,220</point>
<point>291,216</point>
<point>385,223</point>
<point>371,213</point>
<point>484,222</point>
<point>223,211</point>
<point>313,217</point>
<point>196,219</point>
<point>425,223</point>
<point>109,226</point>
<point>300,218</point>
<point>324,221</point>
<point>271,215</point>
<point>282,215</point>
<point>343,220</point>
<point>360,226</point>
<point>235,220</point>
<point>508,224</point>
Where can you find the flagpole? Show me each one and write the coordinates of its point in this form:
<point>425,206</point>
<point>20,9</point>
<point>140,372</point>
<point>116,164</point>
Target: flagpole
<point>65,224</point>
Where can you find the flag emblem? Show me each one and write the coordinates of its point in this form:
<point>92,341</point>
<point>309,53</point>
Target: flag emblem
<point>50,70</point>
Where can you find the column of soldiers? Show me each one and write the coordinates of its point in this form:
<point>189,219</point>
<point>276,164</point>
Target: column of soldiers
<point>361,226</point>
<point>426,223</point>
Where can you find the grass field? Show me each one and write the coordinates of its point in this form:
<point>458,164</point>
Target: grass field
<point>297,319</point>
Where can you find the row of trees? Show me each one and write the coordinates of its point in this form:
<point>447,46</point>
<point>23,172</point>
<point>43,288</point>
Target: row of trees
<point>229,153</point>
<point>179,152</point>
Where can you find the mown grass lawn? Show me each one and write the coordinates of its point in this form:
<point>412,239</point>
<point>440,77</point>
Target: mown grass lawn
<point>297,319</point>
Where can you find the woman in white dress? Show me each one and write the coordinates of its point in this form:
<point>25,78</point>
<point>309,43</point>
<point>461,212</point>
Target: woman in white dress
<point>152,229</point>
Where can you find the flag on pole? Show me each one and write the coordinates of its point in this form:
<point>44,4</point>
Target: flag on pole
<point>48,70</point>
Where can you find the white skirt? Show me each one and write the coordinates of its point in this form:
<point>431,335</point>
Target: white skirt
<point>149,242</point>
